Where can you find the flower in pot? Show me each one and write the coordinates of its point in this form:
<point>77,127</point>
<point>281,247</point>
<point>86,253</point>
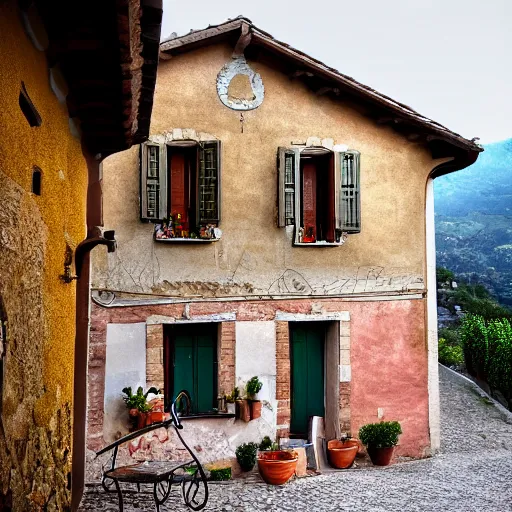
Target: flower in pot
<point>253,388</point>
<point>246,455</point>
<point>380,440</point>
<point>276,466</point>
<point>138,405</point>
<point>341,453</point>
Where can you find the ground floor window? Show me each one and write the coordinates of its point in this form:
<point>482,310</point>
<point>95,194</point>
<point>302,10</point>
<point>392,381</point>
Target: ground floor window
<point>190,355</point>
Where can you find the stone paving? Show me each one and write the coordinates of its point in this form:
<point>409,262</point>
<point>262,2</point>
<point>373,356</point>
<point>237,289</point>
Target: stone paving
<point>473,472</point>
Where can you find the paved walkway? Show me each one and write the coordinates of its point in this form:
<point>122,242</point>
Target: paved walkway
<point>458,479</point>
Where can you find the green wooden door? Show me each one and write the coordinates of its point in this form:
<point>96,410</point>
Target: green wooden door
<point>307,376</point>
<point>194,366</point>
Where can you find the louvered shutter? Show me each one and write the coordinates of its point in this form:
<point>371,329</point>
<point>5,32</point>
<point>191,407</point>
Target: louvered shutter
<point>153,181</point>
<point>348,217</point>
<point>288,161</point>
<point>208,183</point>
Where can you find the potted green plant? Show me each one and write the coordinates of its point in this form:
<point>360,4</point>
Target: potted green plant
<point>380,440</point>
<point>246,455</point>
<point>138,405</point>
<point>231,400</point>
<point>276,466</point>
<point>253,387</point>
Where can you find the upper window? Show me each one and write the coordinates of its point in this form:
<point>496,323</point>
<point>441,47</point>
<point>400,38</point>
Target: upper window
<point>319,194</point>
<point>191,364</point>
<point>180,186</point>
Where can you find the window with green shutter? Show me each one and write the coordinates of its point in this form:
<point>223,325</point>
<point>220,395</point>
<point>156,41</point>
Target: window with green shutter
<point>319,194</point>
<point>191,364</point>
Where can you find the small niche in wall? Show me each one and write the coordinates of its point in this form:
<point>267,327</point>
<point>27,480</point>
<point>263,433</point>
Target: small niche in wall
<point>36,181</point>
<point>28,108</point>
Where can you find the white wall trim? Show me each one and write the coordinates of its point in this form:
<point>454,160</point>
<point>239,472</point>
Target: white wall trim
<point>433,368</point>
<point>283,316</point>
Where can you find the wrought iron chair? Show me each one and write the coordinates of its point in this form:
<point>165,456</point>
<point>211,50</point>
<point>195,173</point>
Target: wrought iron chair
<point>162,475</point>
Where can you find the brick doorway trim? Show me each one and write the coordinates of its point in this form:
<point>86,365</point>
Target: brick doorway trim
<point>283,372</point>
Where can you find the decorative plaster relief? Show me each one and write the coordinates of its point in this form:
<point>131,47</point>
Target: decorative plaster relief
<point>238,86</point>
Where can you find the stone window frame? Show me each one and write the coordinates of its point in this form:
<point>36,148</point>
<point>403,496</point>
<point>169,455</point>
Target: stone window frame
<point>226,348</point>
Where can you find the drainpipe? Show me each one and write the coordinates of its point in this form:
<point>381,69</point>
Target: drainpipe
<point>95,236</point>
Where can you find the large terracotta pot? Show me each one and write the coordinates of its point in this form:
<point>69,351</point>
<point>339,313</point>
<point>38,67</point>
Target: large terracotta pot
<point>277,467</point>
<point>255,409</point>
<point>341,454</point>
<point>380,456</point>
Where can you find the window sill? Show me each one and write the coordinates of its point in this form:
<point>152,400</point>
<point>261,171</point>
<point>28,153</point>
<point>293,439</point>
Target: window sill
<point>186,240</point>
<point>207,416</point>
<point>318,244</point>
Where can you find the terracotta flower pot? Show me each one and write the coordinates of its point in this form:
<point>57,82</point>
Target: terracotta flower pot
<point>277,467</point>
<point>243,410</point>
<point>155,417</point>
<point>255,409</point>
<point>341,454</point>
<point>380,456</point>
<point>142,420</point>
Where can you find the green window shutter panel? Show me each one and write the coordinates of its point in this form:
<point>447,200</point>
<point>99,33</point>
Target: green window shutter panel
<point>184,366</point>
<point>206,351</point>
<point>195,368</point>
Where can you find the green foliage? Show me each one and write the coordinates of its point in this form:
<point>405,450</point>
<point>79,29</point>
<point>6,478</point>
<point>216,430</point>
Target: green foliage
<point>444,275</point>
<point>380,435</point>
<point>451,335</point>
<point>266,444</point>
<point>450,355</point>
<point>473,335</point>
<point>246,455</point>
<point>499,366</point>
<point>488,351</point>
<point>254,386</point>
<point>220,474</point>
<point>139,399</point>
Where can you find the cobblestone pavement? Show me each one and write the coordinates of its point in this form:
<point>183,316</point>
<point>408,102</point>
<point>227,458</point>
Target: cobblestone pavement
<point>458,479</point>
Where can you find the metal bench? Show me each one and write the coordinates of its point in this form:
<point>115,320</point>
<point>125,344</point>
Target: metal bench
<point>161,474</point>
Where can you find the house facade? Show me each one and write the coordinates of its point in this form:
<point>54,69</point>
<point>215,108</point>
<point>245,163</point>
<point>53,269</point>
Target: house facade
<point>278,223</point>
<point>71,81</point>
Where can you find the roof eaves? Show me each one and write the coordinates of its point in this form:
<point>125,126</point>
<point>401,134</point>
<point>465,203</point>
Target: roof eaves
<point>265,39</point>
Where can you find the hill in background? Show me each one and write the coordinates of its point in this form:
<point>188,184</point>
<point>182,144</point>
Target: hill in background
<point>474,221</point>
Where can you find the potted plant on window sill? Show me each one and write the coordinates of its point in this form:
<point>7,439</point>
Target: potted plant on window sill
<point>138,406</point>
<point>380,440</point>
<point>253,387</point>
<point>276,466</point>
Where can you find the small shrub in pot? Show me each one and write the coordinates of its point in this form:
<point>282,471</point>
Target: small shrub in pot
<point>246,455</point>
<point>380,440</point>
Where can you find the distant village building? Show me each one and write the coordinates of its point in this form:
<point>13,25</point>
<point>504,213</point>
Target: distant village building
<point>77,82</point>
<point>277,223</point>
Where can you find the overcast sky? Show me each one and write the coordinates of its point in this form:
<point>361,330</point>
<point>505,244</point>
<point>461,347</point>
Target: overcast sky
<point>448,59</point>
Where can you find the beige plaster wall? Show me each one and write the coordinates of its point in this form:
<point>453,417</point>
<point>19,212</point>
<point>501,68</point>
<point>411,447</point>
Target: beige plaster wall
<point>255,256</point>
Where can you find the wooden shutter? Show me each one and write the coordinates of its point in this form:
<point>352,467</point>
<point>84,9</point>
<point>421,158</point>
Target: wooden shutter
<point>208,183</point>
<point>288,161</point>
<point>348,217</point>
<point>153,181</point>
<point>194,366</point>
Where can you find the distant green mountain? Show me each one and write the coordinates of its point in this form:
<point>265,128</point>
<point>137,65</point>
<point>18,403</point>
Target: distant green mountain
<point>474,220</point>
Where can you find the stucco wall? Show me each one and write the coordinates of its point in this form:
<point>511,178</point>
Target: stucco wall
<point>125,365</point>
<point>35,440</point>
<point>382,349</point>
<point>254,256</point>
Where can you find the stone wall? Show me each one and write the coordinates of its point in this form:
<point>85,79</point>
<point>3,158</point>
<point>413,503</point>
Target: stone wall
<point>36,226</point>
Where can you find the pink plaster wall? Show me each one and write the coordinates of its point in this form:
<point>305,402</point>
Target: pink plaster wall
<point>389,370</point>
